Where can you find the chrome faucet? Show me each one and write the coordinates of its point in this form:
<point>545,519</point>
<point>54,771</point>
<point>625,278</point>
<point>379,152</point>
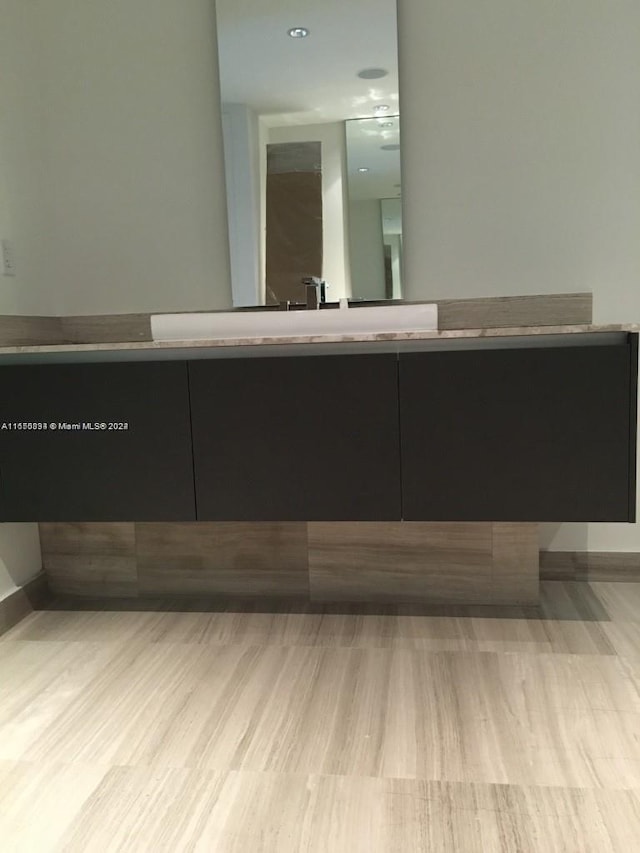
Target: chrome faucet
<point>315,288</point>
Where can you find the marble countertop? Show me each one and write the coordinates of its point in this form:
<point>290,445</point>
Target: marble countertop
<point>444,335</point>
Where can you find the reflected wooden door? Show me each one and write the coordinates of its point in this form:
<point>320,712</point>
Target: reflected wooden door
<point>294,247</point>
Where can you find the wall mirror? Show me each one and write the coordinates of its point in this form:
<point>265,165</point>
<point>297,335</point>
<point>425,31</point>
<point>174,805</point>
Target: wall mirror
<point>310,115</point>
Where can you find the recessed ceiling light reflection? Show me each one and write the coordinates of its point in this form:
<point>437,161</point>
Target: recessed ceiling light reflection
<point>385,124</point>
<point>363,169</point>
<point>372,73</point>
<point>298,32</point>
<point>381,108</point>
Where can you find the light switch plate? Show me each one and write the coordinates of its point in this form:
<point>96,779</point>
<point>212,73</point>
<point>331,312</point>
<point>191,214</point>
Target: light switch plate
<point>8,258</point>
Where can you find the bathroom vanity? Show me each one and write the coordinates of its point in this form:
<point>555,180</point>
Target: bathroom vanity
<point>423,426</point>
<point>378,467</point>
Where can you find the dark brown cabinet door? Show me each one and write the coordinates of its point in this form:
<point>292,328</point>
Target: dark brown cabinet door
<point>311,438</point>
<point>519,434</point>
<point>137,468</point>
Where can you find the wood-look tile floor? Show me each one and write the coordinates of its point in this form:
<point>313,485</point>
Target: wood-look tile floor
<point>325,729</point>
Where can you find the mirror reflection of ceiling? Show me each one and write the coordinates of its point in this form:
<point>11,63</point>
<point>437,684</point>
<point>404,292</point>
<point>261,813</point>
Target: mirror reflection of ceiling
<point>308,80</point>
<point>373,144</point>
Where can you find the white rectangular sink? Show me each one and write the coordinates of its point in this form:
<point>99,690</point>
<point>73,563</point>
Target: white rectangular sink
<point>277,324</point>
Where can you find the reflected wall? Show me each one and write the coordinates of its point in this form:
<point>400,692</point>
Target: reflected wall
<point>375,207</point>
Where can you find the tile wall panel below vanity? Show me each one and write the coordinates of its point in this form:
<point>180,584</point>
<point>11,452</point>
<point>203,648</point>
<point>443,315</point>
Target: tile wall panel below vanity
<point>476,563</point>
<point>226,558</point>
<point>90,558</point>
<point>400,562</point>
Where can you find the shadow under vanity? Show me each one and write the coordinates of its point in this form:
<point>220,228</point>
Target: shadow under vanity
<point>397,470</point>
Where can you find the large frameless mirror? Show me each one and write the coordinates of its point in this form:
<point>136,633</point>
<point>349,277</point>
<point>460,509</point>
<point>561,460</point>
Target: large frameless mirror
<point>310,113</point>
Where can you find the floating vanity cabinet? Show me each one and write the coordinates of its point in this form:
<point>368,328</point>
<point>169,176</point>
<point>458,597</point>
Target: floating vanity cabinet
<point>503,431</point>
<point>116,447</point>
<point>535,434</point>
<point>296,438</point>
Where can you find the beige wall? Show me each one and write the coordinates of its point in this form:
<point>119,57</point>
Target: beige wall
<point>22,205</point>
<point>241,132</point>
<point>113,156</point>
<point>521,156</point>
<point>366,249</point>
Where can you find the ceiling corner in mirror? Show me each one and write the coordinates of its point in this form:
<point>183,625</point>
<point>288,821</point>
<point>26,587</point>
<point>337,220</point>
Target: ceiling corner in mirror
<point>309,72</point>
